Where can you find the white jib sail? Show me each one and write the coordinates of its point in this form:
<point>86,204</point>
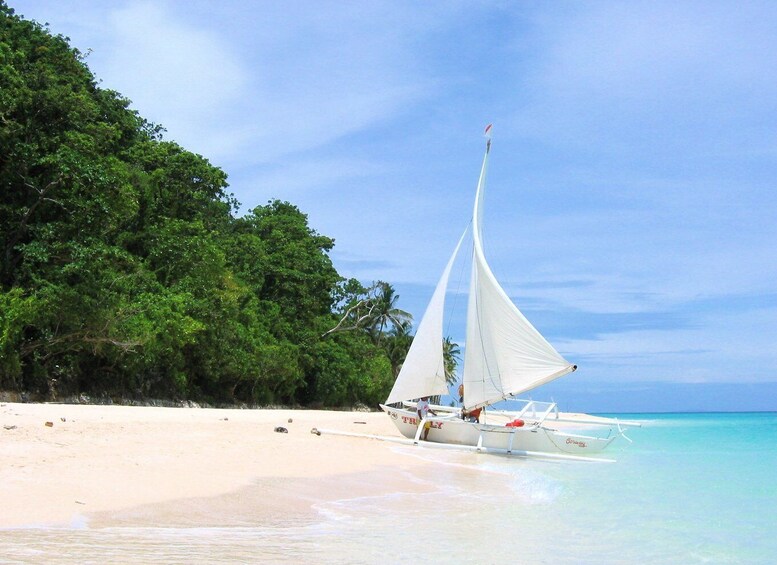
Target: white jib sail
<point>423,372</point>
<point>505,354</point>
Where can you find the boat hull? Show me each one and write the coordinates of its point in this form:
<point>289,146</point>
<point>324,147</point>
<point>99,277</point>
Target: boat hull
<point>532,438</point>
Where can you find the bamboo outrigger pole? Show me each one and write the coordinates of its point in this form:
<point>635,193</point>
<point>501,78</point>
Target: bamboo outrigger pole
<point>422,443</point>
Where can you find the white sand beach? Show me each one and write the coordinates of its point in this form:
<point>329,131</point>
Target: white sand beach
<point>108,463</point>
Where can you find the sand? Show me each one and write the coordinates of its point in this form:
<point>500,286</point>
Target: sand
<point>60,463</point>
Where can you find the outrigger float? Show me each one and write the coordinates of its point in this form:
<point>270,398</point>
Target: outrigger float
<point>428,444</point>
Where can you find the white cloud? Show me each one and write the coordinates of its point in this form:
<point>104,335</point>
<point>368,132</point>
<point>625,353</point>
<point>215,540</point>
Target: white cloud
<point>652,73</point>
<point>304,76</point>
<point>722,347</point>
<point>297,178</point>
<point>253,83</point>
<point>177,73</point>
<point>183,69</point>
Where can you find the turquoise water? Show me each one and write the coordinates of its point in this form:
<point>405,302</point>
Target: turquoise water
<point>692,488</point>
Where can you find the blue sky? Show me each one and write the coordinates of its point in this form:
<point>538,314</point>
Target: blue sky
<point>632,200</point>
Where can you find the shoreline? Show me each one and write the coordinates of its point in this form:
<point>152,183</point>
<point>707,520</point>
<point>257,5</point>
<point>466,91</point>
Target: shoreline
<point>65,463</point>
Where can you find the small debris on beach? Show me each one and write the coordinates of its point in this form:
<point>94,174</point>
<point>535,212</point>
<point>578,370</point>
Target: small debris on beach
<point>63,419</point>
<point>49,424</point>
<point>10,427</point>
<point>290,420</point>
<point>360,422</point>
<point>79,502</point>
<point>315,431</point>
<point>281,430</point>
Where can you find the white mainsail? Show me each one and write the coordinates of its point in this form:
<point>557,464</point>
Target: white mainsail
<point>423,372</point>
<point>505,354</point>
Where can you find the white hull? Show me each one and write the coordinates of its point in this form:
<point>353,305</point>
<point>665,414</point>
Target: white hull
<point>538,438</point>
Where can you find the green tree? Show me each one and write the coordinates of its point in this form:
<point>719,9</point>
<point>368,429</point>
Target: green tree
<point>125,271</point>
<point>298,273</point>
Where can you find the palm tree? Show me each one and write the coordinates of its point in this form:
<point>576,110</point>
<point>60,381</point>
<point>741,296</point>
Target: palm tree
<point>369,309</point>
<point>385,311</point>
<point>451,355</point>
<point>398,344</point>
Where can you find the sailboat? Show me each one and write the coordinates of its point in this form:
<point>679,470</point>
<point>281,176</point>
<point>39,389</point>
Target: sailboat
<point>505,356</point>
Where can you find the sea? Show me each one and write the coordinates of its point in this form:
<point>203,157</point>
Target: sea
<point>691,488</point>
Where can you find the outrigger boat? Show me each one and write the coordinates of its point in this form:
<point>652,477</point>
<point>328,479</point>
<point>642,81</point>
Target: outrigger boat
<point>505,356</point>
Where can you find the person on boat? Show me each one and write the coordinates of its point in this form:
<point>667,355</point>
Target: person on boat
<point>422,409</point>
<point>472,415</point>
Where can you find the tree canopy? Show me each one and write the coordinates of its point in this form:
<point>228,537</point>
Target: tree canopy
<point>126,271</point>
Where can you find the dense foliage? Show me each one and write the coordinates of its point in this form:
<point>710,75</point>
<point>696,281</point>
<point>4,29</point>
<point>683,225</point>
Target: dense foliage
<point>125,270</point>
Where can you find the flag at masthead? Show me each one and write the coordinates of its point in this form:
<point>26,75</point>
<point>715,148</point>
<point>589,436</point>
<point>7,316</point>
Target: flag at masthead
<point>487,133</point>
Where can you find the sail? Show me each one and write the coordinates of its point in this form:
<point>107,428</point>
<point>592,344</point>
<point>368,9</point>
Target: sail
<point>423,372</point>
<point>505,354</point>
